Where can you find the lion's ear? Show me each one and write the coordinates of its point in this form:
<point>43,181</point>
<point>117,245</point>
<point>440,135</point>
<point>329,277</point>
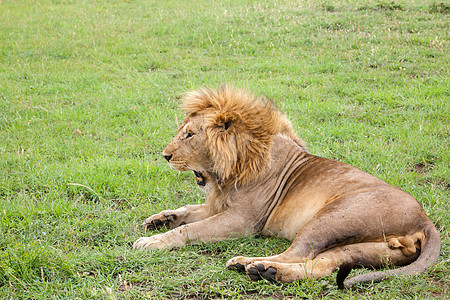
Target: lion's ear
<point>225,120</point>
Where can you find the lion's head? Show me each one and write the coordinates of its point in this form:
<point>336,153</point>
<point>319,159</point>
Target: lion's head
<point>227,133</point>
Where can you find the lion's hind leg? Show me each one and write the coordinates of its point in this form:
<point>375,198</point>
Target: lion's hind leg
<point>369,254</point>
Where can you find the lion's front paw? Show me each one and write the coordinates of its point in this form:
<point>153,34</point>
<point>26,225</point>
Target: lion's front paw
<point>151,242</point>
<point>165,218</point>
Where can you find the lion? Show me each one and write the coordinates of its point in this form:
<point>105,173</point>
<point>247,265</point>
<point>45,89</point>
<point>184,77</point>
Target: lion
<point>259,179</point>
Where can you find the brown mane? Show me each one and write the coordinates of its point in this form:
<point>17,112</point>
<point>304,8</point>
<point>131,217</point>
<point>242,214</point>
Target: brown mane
<point>239,129</point>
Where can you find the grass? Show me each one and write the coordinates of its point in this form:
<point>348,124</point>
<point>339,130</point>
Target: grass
<point>88,99</point>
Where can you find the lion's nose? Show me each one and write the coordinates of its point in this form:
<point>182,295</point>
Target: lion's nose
<point>168,157</point>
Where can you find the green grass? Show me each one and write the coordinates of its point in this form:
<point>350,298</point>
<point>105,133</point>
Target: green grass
<point>88,99</point>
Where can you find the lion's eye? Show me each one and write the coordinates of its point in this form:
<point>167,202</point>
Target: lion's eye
<point>189,135</point>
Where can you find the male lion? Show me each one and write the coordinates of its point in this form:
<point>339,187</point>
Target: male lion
<point>258,178</point>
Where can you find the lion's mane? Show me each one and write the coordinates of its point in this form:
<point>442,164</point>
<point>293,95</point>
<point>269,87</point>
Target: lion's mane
<point>239,129</point>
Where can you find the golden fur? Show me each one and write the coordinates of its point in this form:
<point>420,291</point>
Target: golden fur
<point>258,178</point>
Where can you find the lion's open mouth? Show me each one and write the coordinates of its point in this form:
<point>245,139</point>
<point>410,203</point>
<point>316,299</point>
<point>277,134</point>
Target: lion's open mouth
<point>199,178</point>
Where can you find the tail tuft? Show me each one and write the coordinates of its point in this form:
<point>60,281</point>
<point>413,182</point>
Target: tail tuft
<point>343,272</point>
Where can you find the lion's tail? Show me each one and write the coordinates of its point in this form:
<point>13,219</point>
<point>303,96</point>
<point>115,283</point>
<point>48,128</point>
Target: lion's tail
<point>428,256</point>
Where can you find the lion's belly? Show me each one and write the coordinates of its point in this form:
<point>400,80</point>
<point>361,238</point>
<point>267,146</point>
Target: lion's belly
<point>295,210</point>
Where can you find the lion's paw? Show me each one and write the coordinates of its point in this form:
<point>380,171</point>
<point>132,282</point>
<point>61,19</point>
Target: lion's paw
<point>259,270</point>
<point>151,242</point>
<point>165,218</point>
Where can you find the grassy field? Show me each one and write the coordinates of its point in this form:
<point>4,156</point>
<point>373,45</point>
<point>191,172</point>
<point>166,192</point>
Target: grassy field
<point>89,94</point>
